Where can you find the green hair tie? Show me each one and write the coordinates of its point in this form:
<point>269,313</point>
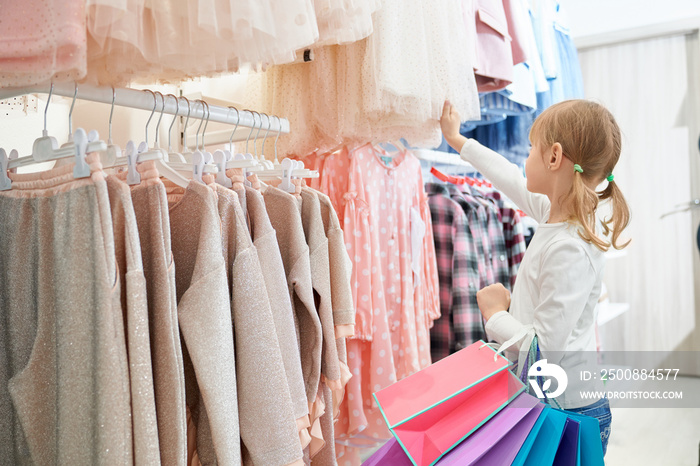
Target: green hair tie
<point>610,178</point>
<point>578,168</point>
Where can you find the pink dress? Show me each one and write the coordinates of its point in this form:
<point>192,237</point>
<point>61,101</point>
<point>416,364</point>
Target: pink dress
<point>386,222</point>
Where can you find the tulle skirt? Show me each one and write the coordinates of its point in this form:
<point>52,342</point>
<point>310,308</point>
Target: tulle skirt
<point>174,40</point>
<point>389,86</point>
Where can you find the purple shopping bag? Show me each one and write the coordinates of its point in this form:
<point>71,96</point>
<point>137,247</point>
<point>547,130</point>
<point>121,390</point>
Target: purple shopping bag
<point>498,441</point>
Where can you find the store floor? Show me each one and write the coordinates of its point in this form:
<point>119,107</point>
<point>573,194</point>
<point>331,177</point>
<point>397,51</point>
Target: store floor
<point>652,437</point>
<point>669,437</point>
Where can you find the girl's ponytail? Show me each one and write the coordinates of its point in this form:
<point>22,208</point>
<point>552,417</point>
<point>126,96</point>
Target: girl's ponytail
<point>620,213</point>
<point>584,202</point>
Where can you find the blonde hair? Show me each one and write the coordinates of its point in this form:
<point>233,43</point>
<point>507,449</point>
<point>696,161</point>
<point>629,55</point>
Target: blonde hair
<point>590,137</point>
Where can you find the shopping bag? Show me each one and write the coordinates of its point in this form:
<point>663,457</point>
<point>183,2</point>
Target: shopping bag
<point>568,451</point>
<point>497,442</point>
<point>433,410</point>
<point>390,453</point>
<point>531,437</point>
<point>494,444</point>
<point>590,446</point>
<point>545,444</point>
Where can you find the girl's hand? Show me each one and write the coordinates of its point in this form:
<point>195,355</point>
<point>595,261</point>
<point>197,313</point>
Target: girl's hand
<point>449,123</point>
<point>492,299</point>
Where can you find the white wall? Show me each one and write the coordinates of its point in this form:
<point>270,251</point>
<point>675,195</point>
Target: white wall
<point>588,18</point>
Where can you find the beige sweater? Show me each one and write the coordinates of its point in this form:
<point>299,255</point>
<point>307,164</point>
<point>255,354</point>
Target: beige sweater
<point>204,314</point>
<point>285,217</point>
<point>267,420</point>
<point>265,241</point>
<point>135,307</point>
<point>64,384</point>
<point>153,220</point>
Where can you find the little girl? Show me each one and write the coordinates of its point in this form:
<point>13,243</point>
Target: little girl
<point>575,146</point>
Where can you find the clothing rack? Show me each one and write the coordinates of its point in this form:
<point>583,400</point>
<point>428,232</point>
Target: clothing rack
<point>144,100</point>
<point>441,157</point>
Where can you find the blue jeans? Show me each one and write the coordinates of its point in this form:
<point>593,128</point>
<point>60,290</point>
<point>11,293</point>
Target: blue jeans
<point>601,411</point>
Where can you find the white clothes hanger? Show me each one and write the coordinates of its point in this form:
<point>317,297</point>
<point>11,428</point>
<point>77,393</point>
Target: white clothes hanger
<point>46,147</point>
<point>134,155</point>
<point>186,152</point>
<point>201,161</point>
<point>221,157</point>
<point>286,170</point>
<point>174,156</point>
<point>109,157</point>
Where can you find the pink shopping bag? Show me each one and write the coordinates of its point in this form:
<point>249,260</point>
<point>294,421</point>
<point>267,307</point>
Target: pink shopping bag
<point>433,410</point>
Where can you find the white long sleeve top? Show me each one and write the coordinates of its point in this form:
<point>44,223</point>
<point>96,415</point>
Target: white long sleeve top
<point>558,283</point>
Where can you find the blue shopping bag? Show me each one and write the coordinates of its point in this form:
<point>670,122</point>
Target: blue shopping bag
<point>568,452</point>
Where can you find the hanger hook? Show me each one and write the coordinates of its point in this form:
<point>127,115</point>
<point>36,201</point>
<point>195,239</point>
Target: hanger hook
<point>170,129</point>
<point>187,120</point>
<point>279,131</point>
<point>155,103</point>
<point>269,125</point>
<point>257,135</point>
<point>204,131</point>
<point>162,109</point>
<point>238,120</point>
<point>70,112</point>
<point>111,114</point>
<point>46,110</point>
<point>252,128</point>
<point>201,122</point>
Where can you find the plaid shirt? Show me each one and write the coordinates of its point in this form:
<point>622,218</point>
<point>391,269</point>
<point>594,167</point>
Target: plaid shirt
<point>497,253</point>
<point>458,270</point>
<point>513,232</point>
<point>477,218</point>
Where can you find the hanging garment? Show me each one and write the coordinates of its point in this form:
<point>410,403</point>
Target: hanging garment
<point>181,39</point>
<point>268,426</point>
<point>153,219</point>
<point>460,323</point>
<point>513,233</point>
<point>285,217</point>
<point>343,311</point>
<point>320,278</point>
<point>342,22</point>
<point>200,276</point>
<point>494,57</point>
<point>42,40</point>
<point>340,270</point>
<point>386,222</point>
<point>265,242</point>
<point>496,252</point>
<point>134,304</point>
<point>375,89</point>
<point>478,224</point>
<point>64,376</point>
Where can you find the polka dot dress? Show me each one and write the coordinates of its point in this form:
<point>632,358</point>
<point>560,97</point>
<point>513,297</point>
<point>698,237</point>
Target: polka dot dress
<point>382,202</point>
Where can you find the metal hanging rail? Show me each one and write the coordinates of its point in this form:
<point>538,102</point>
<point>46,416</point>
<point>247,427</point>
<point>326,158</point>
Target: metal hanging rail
<point>141,99</point>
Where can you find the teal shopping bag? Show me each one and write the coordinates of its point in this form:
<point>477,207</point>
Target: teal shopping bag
<point>590,446</point>
<point>546,442</point>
